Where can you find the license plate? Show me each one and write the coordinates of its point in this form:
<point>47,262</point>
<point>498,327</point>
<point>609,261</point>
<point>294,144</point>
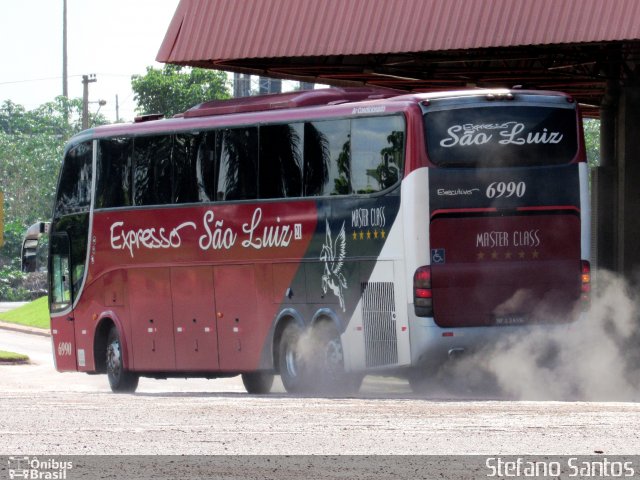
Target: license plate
<point>511,319</point>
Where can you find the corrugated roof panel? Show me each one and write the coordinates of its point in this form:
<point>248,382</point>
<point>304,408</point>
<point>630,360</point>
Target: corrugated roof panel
<point>205,30</point>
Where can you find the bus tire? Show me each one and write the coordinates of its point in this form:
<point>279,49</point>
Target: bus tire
<point>420,381</point>
<point>257,382</point>
<point>334,379</point>
<point>120,379</point>
<point>291,363</point>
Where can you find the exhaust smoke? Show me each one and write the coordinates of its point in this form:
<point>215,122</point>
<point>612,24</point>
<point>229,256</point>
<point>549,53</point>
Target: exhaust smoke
<point>594,358</point>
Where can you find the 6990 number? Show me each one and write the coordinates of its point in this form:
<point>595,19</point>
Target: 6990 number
<point>65,349</point>
<point>506,189</point>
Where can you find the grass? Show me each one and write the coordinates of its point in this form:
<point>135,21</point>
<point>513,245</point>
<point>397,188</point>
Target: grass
<point>12,357</point>
<point>33,314</point>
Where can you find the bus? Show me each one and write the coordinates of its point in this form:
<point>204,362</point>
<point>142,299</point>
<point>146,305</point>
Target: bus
<point>318,235</point>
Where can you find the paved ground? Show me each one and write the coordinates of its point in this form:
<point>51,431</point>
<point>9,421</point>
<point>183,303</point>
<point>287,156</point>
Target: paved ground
<point>52,413</point>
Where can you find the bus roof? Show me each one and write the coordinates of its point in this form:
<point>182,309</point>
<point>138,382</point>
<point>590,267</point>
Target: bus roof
<point>343,100</point>
<point>304,98</point>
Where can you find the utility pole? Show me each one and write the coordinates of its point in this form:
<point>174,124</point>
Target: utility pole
<point>117,110</point>
<point>86,80</point>
<point>65,85</point>
<point>65,88</point>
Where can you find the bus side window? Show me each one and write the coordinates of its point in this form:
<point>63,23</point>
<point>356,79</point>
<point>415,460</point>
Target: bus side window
<point>238,179</point>
<point>74,190</point>
<point>152,170</point>
<point>183,155</point>
<point>377,147</point>
<point>207,153</point>
<point>114,173</point>
<point>280,168</point>
<point>327,162</point>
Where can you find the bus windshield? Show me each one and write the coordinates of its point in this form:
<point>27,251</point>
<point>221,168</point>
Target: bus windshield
<point>498,135</point>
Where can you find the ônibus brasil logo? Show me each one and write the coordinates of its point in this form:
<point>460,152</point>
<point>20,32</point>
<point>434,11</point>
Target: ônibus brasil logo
<point>34,468</point>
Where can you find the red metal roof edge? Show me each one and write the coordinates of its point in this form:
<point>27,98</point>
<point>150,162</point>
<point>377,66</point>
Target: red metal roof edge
<point>173,32</point>
<point>218,30</point>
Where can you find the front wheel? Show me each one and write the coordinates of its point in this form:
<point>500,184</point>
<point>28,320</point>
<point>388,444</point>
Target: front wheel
<point>120,380</point>
<point>257,382</point>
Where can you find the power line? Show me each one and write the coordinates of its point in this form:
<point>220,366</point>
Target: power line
<point>34,80</point>
<point>44,79</point>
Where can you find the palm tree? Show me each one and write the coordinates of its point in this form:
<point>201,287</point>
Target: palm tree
<point>316,160</point>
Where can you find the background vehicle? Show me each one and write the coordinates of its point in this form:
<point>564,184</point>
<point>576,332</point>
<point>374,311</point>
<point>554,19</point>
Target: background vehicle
<point>320,235</point>
<point>33,256</point>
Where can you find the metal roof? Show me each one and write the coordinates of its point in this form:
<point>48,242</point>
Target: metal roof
<point>404,43</point>
<point>234,29</point>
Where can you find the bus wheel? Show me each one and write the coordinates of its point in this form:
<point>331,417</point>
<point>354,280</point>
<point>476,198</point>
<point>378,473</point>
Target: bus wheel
<point>290,360</point>
<point>120,380</point>
<point>331,360</point>
<point>420,381</point>
<point>257,382</point>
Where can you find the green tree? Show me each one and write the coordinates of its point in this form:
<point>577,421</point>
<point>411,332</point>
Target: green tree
<point>343,181</point>
<point>60,118</point>
<point>174,89</point>
<point>592,141</point>
<point>31,148</point>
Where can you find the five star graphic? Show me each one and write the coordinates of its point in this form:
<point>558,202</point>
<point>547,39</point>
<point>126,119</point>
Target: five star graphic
<point>368,234</point>
<point>495,255</point>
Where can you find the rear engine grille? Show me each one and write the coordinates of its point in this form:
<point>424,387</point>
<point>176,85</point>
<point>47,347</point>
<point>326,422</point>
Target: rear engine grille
<point>379,323</point>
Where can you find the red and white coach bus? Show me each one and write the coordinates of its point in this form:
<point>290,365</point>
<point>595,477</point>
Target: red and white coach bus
<point>318,235</point>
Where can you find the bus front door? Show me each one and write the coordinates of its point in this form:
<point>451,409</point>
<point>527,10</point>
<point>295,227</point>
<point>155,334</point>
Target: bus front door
<point>61,299</point>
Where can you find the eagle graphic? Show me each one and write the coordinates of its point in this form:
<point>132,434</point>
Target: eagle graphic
<point>332,255</point>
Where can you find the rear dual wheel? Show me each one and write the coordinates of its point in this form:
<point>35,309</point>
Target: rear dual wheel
<point>312,361</point>
<point>291,362</point>
<point>330,356</point>
<point>420,381</point>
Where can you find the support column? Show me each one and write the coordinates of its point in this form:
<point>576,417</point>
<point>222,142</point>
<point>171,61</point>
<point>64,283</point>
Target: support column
<point>604,197</point>
<point>628,181</point>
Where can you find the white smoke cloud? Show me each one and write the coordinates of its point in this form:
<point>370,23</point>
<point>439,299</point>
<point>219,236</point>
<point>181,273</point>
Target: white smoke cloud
<point>594,358</point>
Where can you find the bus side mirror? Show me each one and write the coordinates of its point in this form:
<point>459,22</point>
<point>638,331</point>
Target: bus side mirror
<point>30,246</point>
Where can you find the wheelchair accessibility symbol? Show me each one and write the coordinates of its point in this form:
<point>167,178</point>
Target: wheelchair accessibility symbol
<point>437,255</point>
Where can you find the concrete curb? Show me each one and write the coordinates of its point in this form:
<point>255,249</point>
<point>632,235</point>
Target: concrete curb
<point>24,329</point>
<point>15,362</point>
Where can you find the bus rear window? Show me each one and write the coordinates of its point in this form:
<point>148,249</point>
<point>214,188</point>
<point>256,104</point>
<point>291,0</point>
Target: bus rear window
<point>501,136</point>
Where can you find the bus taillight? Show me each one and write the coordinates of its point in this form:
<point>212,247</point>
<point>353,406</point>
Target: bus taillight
<point>422,295</point>
<point>585,283</point>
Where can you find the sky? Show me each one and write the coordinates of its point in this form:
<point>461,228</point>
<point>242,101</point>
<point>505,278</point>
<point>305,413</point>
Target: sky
<point>112,39</point>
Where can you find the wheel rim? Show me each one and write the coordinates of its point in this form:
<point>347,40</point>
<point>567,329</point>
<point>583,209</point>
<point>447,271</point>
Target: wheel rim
<point>291,361</point>
<point>114,359</point>
<point>334,358</point>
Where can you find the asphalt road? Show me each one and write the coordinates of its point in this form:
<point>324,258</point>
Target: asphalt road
<point>6,306</point>
<point>53,413</point>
